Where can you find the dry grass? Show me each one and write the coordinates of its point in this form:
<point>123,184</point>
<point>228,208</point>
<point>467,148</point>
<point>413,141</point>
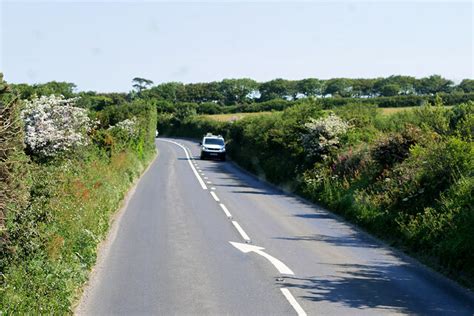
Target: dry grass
<point>390,111</point>
<point>238,116</point>
<point>233,116</point>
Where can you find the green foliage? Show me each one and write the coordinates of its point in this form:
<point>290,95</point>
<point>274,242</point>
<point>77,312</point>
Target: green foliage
<point>58,210</point>
<point>390,90</point>
<point>467,85</point>
<point>395,148</point>
<point>13,173</point>
<point>27,92</point>
<point>359,115</point>
<point>54,239</point>
<point>407,178</point>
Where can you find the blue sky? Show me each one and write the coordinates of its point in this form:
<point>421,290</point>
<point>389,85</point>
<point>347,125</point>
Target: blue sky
<point>102,45</point>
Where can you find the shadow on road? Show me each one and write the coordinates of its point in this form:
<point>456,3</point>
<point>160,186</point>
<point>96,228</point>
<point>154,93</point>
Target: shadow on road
<point>348,240</point>
<point>371,286</point>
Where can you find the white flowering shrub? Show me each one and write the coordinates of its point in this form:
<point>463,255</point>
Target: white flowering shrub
<point>322,135</point>
<point>129,126</point>
<point>53,125</point>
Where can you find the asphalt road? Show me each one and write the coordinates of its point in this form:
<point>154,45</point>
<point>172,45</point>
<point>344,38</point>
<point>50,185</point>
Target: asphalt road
<point>172,253</point>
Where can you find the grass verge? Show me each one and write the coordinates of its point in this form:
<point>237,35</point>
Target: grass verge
<point>72,204</point>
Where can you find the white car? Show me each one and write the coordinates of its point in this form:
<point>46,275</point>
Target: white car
<point>212,146</point>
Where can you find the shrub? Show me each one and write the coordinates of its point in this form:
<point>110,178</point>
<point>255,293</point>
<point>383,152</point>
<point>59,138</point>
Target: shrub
<point>395,148</point>
<point>14,173</point>
<point>322,135</point>
<point>54,126</point>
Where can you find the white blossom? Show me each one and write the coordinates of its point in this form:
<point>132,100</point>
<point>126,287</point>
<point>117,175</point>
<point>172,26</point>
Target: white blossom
<point>129,126</point>
<point>53,125</point>
<point>323,134</point>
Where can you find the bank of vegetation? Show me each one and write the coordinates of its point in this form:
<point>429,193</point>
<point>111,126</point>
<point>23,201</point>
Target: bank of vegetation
<point>64,171</point>
<point>407,177</point>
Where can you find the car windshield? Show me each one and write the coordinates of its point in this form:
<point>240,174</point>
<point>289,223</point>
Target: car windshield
<point>213,141</point>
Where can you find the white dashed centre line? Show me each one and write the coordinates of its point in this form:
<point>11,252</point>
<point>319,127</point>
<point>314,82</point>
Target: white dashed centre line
<point>299,310</point>
<point>214,195</point>
<point>226,211</point>
<point>201,182</point>
<point>241,231</point>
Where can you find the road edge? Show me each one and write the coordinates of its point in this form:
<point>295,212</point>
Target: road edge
<point>103,247</point>
<point>424,270</point>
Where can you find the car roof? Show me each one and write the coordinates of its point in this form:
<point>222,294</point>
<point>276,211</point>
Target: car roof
<point>213,136</point>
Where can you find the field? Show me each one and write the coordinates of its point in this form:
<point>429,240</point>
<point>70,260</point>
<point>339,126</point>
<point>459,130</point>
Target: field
<point>233,116</point>
<point>238,116</point>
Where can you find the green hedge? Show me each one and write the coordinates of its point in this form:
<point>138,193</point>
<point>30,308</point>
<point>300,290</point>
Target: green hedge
<point>327,103</point>
<point>407,178</point>
<point>401,100</point>
<point>52,238</point>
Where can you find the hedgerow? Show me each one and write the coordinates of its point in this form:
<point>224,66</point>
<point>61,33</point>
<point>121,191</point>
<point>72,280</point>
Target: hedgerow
<point>73,176</point>
<point>407,178</point>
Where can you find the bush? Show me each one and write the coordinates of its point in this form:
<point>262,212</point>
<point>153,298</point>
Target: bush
<point>54,126</point>
<point>395,148</point>
<point>322,136</point>
<point>13,169</point>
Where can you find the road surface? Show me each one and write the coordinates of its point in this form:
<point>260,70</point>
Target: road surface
<point>205,238</point>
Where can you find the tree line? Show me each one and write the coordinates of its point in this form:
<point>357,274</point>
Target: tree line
<point>245,90</point>
<point>240,91</point>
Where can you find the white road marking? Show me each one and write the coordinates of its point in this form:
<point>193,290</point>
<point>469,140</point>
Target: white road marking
<point>206,178</point>
<point>299,310</point>
<point>241,232</point>
<point>280,266</point>
<point>226,211</point>
<point>213,188</point>
<point>201,182</point>
<point>214,195</point>
<point>208,182</point>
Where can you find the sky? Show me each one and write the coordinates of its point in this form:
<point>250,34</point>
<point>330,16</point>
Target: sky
<point>102,45</point>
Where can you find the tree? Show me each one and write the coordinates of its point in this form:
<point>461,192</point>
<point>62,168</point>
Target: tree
<point>170,91</point>
<point>433,84</point>
<point>310,87</point>
<point>338,87</point>
<point>363,87</point>
<point>276,89</point>
<point>390,90</point>
<point>66,89</point>
<point>467,85</point>
<point>237,91</point>
<point>406,83</point>
<point>141,84</point>
<point>27,92</point>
